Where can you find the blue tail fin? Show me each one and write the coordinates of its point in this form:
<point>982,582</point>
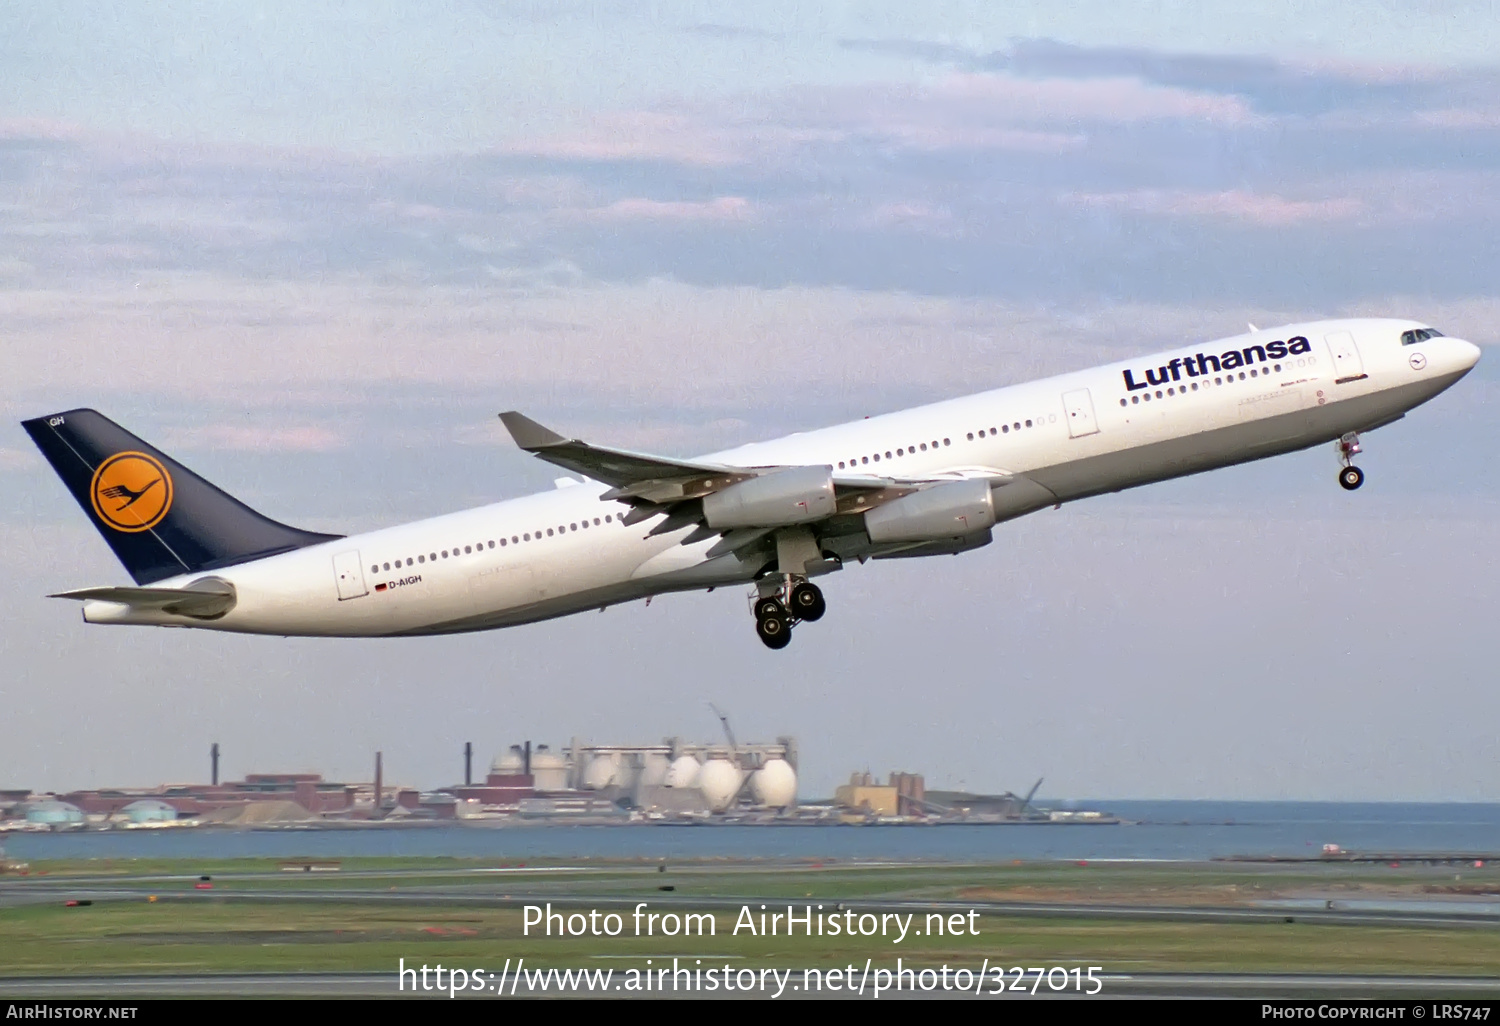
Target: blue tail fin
<point>160,518</point>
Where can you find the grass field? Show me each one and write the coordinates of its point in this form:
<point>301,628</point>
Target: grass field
<point>258,918</point>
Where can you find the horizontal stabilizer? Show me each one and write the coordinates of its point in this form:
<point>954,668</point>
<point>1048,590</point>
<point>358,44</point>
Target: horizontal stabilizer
<point>206,600</point>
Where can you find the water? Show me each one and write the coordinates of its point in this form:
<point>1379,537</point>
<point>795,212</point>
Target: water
<point>1178,830</point>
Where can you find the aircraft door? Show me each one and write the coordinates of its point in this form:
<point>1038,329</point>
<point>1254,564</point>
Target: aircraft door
<point>1079,407</point>
<point>1346,361</point>
<point>350,573</point>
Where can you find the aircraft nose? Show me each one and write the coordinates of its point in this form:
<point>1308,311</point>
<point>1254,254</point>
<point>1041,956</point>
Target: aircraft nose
<point>1468,353</point>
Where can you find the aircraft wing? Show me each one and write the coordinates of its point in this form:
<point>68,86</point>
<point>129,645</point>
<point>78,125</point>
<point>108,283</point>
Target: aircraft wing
<point>208,600</point>
<point>633,474</point>
<point>672,489</point>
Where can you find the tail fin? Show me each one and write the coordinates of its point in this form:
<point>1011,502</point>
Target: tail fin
<point>160,518</point>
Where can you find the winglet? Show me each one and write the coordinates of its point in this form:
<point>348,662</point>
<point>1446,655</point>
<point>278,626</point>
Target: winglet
<point>528,434</point>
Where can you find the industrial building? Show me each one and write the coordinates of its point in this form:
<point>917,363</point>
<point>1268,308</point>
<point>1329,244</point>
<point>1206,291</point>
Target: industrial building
<point>667,780</point>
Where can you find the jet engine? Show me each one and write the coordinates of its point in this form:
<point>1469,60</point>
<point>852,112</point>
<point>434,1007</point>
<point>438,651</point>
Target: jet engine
<point>797,495</point>
<point>949,510</point>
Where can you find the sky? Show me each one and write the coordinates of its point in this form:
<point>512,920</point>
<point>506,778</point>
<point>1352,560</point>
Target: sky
<point>311,249</point>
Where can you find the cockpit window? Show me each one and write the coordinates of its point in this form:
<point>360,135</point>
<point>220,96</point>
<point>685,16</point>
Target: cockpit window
<point>1411,338</point>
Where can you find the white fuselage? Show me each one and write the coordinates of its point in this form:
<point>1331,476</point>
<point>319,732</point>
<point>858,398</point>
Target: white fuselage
<point>1042,443</point>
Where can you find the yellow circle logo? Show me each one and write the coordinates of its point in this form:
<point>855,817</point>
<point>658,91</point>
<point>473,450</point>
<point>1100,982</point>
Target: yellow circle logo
<point>131,491</point>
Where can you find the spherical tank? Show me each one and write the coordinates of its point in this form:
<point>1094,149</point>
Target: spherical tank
<point>507,764</point>
<point>549,771</point>
<point>601,772</point>
<point>719,780</point>
<point>774,784</point>
<point>683,772</point>
<point>654,768</point>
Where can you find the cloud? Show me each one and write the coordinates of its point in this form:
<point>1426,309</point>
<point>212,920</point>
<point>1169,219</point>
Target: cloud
<point>640,135</point>
<point>248,438</point>
<point>1269,85</point>
<point>1234,204</point>
<point>1116,100</point>
<point>635,208</point>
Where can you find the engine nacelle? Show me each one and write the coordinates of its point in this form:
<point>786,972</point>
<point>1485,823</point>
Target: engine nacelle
<point>949,510</point>
<point>797,495</point>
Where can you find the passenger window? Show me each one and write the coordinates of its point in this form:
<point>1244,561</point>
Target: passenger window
<point>596,521</point>
<point>877,457</point>
<point>467,550</point>
<point>549,532</point>
<point>1122,402</point>
<point>900,452</point>
<point>981,432</point>
<point>375,569</point>
<point>388,566</point>
<point>1147,397</point>
<point>887,455</point>
<point>1242,375</point>
<point>864,459</point>
<point>502,543</point>
<point>841,464</point>
<point>1195,386</point>
<point>1134,399</point>
<point>514,540</point>
<point>527,536</point>
<point>421,559</point>
<point>1158,393</point>
<point>1028,423</point>
<point>945,442</point>
<point>606,518</point>
<point>971,436</point>
<point>1218,382</point>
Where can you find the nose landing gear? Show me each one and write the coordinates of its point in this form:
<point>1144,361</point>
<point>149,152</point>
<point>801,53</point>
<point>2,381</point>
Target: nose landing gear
<point>787,605</point>
<point>1351,477</point>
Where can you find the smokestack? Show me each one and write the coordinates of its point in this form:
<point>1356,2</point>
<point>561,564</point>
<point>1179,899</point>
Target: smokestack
<point>468,763</point>
<point>213,758</point>
<point>526,760</point>
<point>379,795</point>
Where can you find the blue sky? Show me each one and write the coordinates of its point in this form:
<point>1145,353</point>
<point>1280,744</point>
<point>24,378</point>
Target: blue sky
<point>313,248</point>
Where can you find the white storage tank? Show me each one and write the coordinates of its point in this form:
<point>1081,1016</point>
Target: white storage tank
<point>508,763</point>
<point>683,772</point>
<point>549,770</point>
<point>654,767</point>
<point>720,781</point>
<point>774,784</point>
<point>602,771</point>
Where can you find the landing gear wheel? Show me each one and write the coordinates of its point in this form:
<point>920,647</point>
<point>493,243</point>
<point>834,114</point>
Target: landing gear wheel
<point>808,603</point>
<point>774,631</point>
<point>1351,478</point>
<point>770,606</point>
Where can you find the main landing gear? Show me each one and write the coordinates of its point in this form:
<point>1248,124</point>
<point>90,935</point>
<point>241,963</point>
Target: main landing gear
<point>1351,477</point>
<point>792,602</point>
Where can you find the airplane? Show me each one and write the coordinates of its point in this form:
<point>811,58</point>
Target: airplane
<point>933,480</point>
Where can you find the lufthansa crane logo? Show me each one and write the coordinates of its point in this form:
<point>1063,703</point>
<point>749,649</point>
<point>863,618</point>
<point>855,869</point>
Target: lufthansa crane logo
<point>131,491</point>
